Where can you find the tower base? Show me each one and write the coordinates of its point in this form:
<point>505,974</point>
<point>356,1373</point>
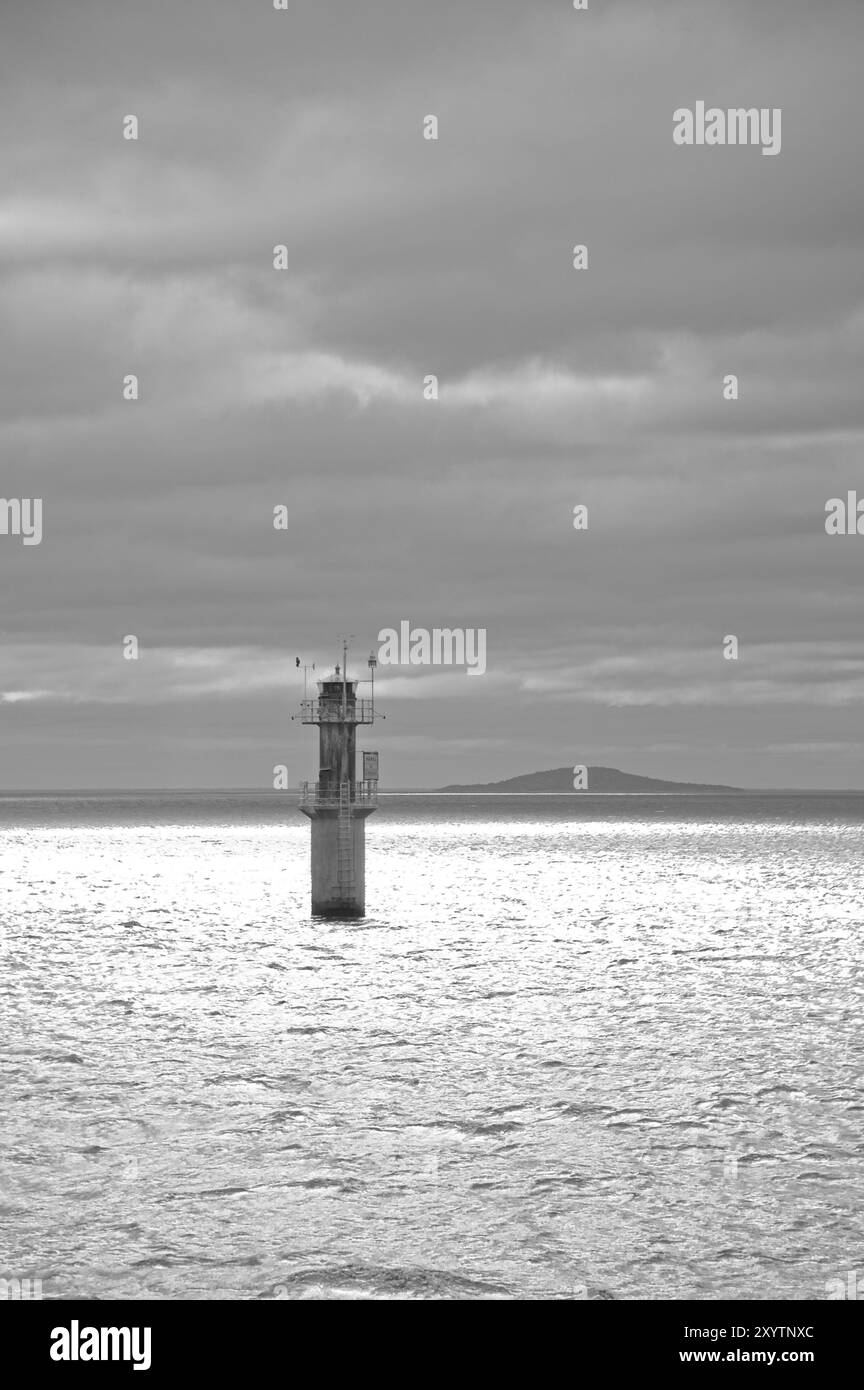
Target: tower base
<point>343,908</point>
<point>336,894</point>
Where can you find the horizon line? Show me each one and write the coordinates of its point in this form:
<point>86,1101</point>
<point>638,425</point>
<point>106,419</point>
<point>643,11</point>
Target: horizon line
<point>466,790</point>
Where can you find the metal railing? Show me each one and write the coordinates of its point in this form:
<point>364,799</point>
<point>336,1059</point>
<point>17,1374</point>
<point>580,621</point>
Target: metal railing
<point>365,794</point>
<point>330,712</point>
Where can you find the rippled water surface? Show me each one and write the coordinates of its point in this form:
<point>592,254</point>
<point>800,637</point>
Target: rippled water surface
<point>582,1046</point>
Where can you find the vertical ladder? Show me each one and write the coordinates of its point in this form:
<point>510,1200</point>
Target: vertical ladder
<point>345,841</point>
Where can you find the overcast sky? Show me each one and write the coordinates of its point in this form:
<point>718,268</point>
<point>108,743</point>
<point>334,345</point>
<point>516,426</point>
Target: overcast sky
<point>304,387</point>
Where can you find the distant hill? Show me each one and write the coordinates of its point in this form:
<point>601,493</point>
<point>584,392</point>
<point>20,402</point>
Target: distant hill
<point>600,779</point>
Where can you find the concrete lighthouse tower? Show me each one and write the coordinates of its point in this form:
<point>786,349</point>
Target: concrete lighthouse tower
<point>338,804</point>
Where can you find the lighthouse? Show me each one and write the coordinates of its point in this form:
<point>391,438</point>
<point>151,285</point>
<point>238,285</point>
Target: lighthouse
<point>338,804</point>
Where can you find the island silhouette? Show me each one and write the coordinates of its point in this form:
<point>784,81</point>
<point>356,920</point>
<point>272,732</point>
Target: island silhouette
<point>600,779</point>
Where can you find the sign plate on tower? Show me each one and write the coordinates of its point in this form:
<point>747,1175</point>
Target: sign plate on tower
<point>370,767</point>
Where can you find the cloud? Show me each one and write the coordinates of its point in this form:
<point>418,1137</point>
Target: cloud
<point>303,388</point>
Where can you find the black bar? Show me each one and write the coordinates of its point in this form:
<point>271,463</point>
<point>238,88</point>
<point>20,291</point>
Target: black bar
<point>299,1340</point>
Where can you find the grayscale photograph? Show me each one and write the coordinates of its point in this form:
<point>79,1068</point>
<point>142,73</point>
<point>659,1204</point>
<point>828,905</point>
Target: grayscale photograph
<point>431,678</point>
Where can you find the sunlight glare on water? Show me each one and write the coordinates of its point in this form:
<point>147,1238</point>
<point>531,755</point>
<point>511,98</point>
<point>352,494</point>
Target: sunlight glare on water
<point>610,1048</point>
